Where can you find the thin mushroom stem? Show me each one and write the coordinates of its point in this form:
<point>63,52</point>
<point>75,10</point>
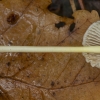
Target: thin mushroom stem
<point>94,49</point>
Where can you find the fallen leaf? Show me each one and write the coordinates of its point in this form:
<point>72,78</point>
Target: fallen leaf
<point>45,76</point>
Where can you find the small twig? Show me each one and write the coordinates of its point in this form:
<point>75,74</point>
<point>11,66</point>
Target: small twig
<point>73,5</point>
<point>81,4</point>
<point>94,49</point>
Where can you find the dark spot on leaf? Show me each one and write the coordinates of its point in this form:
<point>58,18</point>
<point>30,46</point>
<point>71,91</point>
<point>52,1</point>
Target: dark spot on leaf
<point>19,69</point>
<point>57,83</point>
<point>54,8</point>
<point>60,24</point>
<point>62,41</point>
<point>42,59</point>
<point>76,80</point>
<point>2,74</point>
<point>89,77</point>
<point>8,63</point>
<point>12,19</point>
<point>62,87</point>
<point>72,26</point>
<point>2,96</point>
<point>64,81</point>
<point>53,93</point>
<point>2,38</point>
<point>10,43</point>
<point>28,76</point>
<point>52,83</point>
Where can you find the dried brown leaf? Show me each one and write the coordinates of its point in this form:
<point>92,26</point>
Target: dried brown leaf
<point>45,76</point>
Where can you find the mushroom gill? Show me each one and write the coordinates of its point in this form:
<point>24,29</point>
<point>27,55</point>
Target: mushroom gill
<point>92,38</point>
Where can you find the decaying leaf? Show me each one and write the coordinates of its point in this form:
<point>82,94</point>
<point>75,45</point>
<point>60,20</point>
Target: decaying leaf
<point>45,76</point>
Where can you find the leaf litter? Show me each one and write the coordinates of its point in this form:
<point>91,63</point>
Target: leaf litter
<point>45,76</point>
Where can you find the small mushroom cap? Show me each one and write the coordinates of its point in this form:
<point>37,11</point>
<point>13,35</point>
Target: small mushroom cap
<point>92,38</point>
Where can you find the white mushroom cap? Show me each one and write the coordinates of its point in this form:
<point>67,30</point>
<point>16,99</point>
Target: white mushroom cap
<point>92,38</point>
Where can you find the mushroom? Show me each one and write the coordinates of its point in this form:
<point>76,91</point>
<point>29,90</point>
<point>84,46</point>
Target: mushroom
<point>91,46</point>
<point>92,38</point>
